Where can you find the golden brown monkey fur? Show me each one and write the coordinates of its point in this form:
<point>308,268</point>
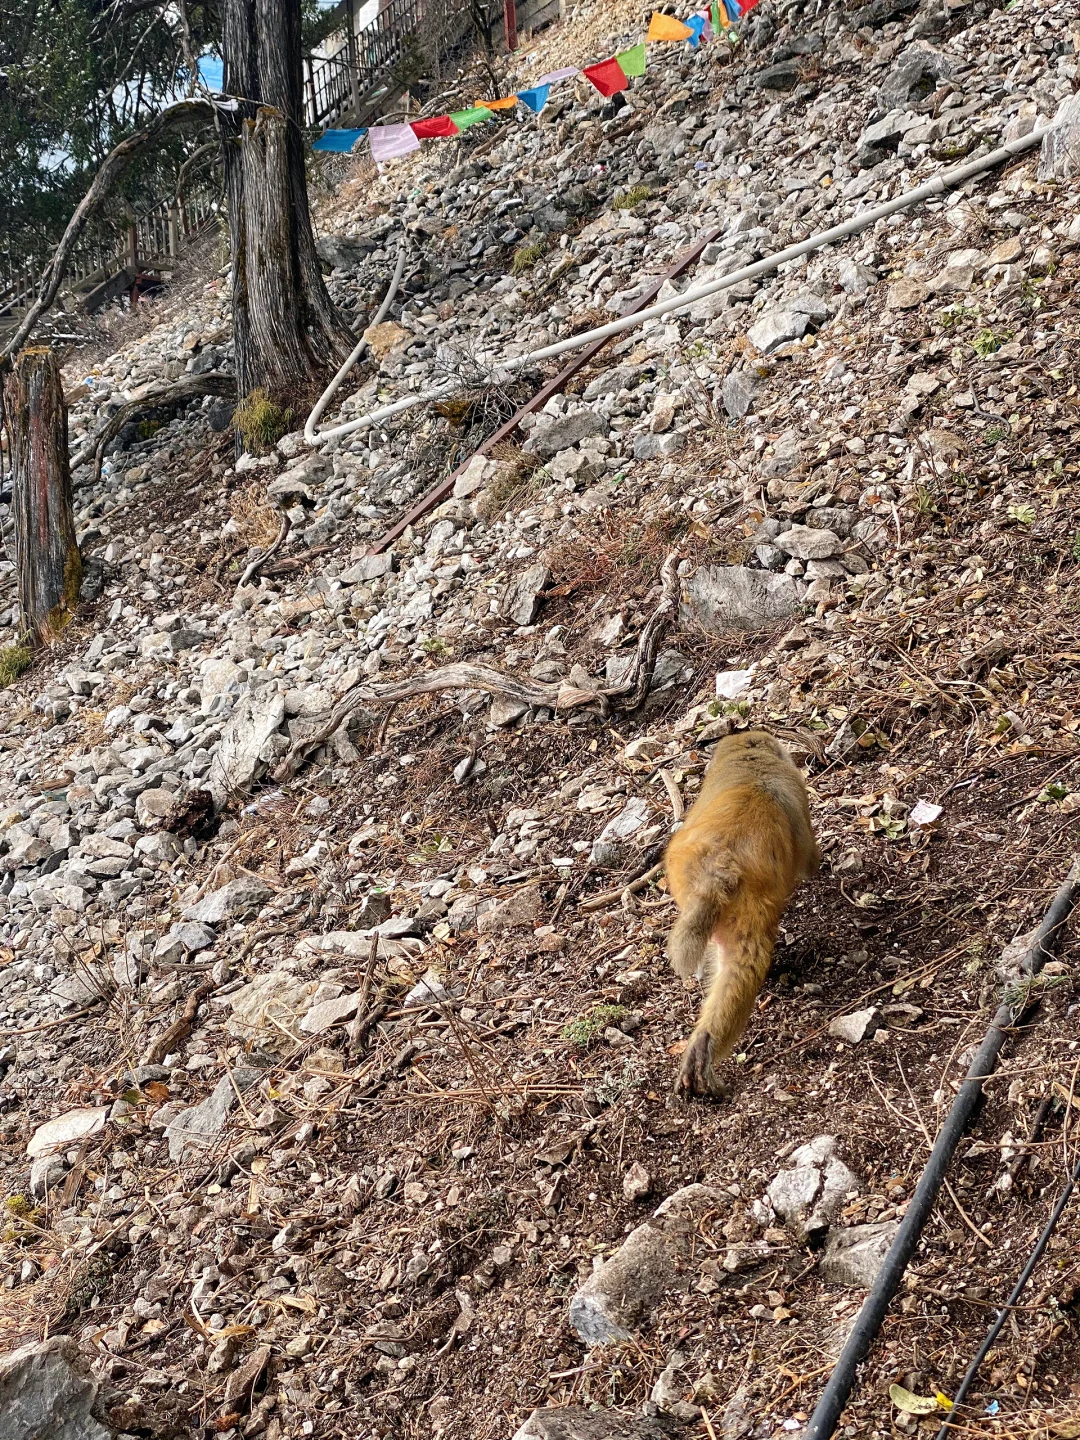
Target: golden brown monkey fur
<point>745,846</point>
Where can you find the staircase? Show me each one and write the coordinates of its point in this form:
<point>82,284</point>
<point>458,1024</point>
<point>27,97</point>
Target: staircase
<point>373,66</point>
<point>103,270</point>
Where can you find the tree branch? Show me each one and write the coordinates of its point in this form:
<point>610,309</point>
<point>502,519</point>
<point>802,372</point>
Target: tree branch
<point>628,694</point>
<point>190,387</point>
<point>112,167</point>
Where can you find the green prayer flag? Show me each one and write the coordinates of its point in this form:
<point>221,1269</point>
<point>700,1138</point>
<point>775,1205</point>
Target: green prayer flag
<point>715,15</point>
<point>632,62</point>
<point>464,118</point>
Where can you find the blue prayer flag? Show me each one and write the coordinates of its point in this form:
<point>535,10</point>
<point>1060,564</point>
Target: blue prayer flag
<point>536,98</point>
<point>340,141</point>
<point>696,23</point>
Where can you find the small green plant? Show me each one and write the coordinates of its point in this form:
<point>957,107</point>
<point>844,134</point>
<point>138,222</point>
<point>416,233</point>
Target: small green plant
<point>1076,546</point>
<point>994,433</point>
<point>433,645</point>
<point>1030,296</point>
<point>14,660</point>
<point>986,342</point>
<point>526,256</point>
<point>1027,990</point>
<point>588,1029</point>
<point>19,1214</point>
<point>1022,514</point>
<point>261,421</point>
<point>149,428</point>
<point>956,315</point>
<point>925,502</point>
<point>634,196</point>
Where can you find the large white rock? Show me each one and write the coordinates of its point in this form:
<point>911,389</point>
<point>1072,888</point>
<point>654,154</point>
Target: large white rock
<point>811,1193</point>
<point>66,1130</point>
<point>623,1291</point>
<point>722,598</point>
<point>239,755</point>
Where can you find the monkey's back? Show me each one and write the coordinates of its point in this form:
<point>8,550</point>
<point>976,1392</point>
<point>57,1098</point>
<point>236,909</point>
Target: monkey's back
<point>753,803</point>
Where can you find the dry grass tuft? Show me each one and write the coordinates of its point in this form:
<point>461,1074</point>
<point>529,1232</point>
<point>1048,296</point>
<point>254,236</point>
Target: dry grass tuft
<point>256,521</point>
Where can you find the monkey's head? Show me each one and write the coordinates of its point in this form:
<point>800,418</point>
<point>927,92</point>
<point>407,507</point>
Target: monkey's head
<point>749,744</point>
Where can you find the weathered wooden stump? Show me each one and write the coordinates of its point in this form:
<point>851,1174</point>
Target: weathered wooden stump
<point>47,557</point>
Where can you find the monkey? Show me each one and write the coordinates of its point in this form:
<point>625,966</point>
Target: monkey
<point>744,848</point>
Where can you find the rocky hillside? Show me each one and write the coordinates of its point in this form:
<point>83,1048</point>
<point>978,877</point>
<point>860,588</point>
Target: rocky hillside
<point>337,1034</point>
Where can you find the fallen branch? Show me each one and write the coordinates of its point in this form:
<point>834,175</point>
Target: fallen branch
<point>179,1030</point>
<point>560,697</point>
<point>215,382</point>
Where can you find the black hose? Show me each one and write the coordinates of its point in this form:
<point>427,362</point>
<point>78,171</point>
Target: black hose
<point>1003,1313</point>
<point>869,1319</point>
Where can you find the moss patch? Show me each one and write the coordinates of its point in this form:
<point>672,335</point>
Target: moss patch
<point>14,660</point>
<point>261,421</point>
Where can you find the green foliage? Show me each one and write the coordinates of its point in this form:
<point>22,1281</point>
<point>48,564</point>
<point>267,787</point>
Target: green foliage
<point>986,342</point>
<point>14,659</point>
<point>1022,514</point>
<point>76,77</point>
<point>1076,546</point>
<point>526,256</point>
<point>634,196</point>
<point>588,1029</point>
<point>956,315</point>
<point>994,433</point>
<point>19,1215</point>
<point>260,421</point>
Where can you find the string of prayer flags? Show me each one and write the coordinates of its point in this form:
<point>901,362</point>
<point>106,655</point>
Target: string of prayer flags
<point>340,142</point>
<point>389,142</point>
<point>536,98</point>
<point>436,127</point>
<point>463,119</point>
<point>608,76</point>
<point>632,61</point>
<point>666,27</point>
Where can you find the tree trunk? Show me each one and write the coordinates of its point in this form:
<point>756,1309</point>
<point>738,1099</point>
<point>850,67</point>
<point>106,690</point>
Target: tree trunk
<point>47,557</point>
<point>286,330</point>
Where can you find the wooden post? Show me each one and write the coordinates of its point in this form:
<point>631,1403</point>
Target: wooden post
<point>174,230</point>
<point>510,24</point>
<point>46,555</point>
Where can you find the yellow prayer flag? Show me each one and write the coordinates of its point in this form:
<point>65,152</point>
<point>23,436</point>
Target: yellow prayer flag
<point>666,27</point>
<point>507,104</point>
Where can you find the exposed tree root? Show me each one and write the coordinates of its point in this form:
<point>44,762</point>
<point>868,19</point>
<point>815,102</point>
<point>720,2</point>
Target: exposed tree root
<point>628,694</point>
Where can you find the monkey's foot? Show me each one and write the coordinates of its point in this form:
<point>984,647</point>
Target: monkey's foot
<point>697,1076</point>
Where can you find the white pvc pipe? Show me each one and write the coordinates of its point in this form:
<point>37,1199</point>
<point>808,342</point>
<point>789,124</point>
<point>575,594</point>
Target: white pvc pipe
<point>310,434</point>
<point>932,188</point>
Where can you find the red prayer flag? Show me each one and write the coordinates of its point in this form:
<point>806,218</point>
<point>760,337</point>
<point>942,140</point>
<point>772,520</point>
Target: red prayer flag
<point>608,76</point>
<point>435,127</point>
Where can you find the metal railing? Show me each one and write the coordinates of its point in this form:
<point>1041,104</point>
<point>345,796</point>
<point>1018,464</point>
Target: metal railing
<point>372,62</point>
<point>149,243</point>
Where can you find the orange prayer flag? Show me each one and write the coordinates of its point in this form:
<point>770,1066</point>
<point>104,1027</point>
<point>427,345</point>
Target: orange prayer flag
<point>666,27</point>
<point>506,104</point>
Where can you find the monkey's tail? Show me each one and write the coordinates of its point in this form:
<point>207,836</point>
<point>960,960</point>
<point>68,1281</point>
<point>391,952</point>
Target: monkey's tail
<point>746,941</point>
<point>715,882</point>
